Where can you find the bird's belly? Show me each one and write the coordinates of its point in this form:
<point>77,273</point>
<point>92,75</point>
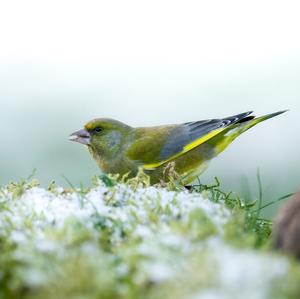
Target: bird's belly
<point>190,165</point>
<point>118,165</point>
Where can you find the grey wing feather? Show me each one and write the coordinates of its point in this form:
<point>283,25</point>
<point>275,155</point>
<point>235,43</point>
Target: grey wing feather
<point>188,132</point>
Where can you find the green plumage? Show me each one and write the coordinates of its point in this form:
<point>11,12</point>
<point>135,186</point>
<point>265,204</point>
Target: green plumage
<point>119,148</point>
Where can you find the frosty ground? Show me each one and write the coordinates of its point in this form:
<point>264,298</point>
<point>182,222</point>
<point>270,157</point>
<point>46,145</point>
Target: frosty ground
<point>132,240</point>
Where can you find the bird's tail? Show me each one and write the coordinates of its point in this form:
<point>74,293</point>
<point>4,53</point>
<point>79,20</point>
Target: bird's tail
<point>222,140</point>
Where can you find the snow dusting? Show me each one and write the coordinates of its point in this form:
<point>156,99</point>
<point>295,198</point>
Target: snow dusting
<point>120,240</point>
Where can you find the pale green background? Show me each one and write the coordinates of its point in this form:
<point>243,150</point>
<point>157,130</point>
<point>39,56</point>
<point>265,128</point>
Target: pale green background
<point>146,63</point>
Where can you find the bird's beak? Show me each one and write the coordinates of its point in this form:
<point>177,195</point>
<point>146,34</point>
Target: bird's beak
<point>81,136</point>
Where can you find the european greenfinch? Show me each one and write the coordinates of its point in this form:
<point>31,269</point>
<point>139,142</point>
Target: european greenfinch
<point>121,149</point>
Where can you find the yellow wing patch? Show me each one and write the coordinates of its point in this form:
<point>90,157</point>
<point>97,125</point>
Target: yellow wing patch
<point>186,148</point>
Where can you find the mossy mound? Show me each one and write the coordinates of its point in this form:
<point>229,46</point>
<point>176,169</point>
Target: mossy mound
<point>131,240</point>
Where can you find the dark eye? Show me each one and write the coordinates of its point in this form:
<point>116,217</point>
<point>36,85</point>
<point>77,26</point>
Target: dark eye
<point>98,129</point>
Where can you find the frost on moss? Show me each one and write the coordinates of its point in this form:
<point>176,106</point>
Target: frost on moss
<point>132,240</point>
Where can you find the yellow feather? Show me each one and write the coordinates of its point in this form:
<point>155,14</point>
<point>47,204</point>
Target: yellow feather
<point>201,140</point>
<point>186,148</point>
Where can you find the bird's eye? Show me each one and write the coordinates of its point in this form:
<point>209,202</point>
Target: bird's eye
<point>98,129</point>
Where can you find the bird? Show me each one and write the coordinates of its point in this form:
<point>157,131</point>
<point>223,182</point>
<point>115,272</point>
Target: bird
<point>122,149</point>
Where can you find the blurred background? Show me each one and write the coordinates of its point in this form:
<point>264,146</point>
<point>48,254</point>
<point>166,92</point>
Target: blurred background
<point>146,63</point>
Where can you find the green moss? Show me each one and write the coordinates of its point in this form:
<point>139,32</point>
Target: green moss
<point>196,227</point>
<point>157,249</point>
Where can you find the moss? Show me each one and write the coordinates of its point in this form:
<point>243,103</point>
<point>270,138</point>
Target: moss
<point>124,239</point>
<point>196,227</point>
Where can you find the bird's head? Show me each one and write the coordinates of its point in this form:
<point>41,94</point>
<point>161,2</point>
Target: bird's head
<point>104,137</point>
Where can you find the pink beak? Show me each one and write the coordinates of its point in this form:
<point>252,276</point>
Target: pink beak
<point>81,136</point>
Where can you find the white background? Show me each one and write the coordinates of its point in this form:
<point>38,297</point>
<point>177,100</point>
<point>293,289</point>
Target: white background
<point>144,63</point>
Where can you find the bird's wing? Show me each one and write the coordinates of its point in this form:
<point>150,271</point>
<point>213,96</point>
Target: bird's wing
<point>156,146</point>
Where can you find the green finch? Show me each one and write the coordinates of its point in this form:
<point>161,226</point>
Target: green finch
<point>121,149</point>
